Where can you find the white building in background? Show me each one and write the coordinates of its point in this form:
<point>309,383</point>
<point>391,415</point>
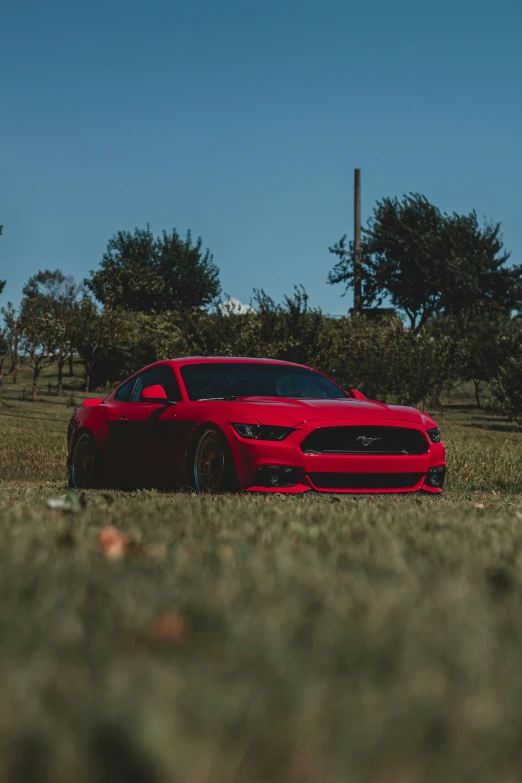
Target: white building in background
<point>235,307</point>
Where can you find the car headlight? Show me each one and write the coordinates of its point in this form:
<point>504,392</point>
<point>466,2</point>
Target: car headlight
<point>262,431</point>
<point>434,434</point>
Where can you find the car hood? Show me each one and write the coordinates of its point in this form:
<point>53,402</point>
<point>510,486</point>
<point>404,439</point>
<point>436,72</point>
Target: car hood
<point>285,412</point>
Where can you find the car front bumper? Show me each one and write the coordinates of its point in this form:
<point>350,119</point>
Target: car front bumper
<point>281,466</point>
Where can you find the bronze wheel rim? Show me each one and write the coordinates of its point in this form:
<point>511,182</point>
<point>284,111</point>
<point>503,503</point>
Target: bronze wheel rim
<point>83,464</point>
<point>209,463</point>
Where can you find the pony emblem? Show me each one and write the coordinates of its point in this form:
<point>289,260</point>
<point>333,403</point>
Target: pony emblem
<point>365,441</point>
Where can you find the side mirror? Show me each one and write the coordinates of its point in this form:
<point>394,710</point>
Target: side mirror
<point>154,393</point>
<point>357,394</point>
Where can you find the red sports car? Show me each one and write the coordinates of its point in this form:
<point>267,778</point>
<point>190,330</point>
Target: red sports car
<point>222,424</point>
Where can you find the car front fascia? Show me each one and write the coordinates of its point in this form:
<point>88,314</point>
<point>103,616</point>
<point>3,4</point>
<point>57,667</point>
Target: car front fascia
<point>251,455</point>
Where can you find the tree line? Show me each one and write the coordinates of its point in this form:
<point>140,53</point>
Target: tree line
<point>454,311</point>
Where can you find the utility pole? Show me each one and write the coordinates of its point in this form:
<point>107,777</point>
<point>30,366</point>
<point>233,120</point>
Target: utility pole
<point>357,277</point>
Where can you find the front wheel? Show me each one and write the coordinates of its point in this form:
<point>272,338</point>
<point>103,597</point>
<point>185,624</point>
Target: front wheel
<point>211,466</point>
<point>83,471</point>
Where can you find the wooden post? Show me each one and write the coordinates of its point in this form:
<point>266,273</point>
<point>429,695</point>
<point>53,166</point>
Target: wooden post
<point>357,277</point>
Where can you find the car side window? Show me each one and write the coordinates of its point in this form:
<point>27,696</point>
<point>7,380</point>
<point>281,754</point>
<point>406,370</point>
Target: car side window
<point>162,376</point>
<point>124,393</point>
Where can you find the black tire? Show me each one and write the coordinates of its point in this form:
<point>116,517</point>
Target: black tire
<point>84,469</point>
<point>211,469</point>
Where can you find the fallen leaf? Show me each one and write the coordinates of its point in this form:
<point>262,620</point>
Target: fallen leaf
<point>71,502</point>
<point>169,628</point>
<point>56,503</point>
<point>114,544</point>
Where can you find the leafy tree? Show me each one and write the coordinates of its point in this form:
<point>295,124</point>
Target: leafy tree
<point>91,336</point>
<point>37,335</point>
<point>114,343</point>
<point>507,386</point>
<point>428,262</point>
<point>290,330</point>
<point>223,334</point>
<point>56,295</point>
<point>165,333</point>
<point>53,286</point>
<point>191,279</point>
<point>293,330</point>
<point>387,361</point>
<point>478,282</point>
<point>421,366</point>
<point>2,282</point>
<point>481,346</point>
<point>140,272</point>
<point>8,344</point>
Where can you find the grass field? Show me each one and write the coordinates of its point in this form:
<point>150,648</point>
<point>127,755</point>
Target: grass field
<point>249,639</point>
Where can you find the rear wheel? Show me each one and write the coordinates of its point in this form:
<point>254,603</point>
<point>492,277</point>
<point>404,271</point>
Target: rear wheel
<point>84,473</point>
<point>211,466</point>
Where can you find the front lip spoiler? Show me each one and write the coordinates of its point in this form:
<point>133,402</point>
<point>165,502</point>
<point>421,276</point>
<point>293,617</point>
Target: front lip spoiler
<point>301,489</point>
<point>365,452</point>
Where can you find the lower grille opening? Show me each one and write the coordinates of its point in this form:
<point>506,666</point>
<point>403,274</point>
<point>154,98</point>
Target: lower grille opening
<point>365,480</point>
<point>278,476</point>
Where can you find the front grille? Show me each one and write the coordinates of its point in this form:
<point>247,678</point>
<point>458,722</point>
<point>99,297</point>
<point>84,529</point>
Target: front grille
<point>365,440</point>
<point>365,480</point>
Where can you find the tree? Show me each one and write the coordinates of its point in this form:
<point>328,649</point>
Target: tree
<point>139,272</point>
<point>37,335</point>
<point>481,345</point>
<point>8,344</point>
<point>90,336</point>
<point>114,343</point>
<point>507,387</point>
<point>56,295</point>
<point>2,282</point>
<point>293,330</point>
<point>477,281</point>
<point>53,286</point>
<point>428,262</point>
<point>190,277</point>
<point>289,330</point>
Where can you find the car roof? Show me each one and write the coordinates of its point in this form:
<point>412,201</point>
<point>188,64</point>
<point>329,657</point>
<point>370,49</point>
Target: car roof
<point>183,360</point>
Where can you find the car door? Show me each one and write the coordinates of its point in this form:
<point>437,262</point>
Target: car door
<point>150,431</point>
<point>119,419</point>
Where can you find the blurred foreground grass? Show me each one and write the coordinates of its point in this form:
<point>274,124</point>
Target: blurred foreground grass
<point>264,639</point>
<point>293,640</point>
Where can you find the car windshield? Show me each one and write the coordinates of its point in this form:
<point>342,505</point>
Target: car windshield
<point>222,380</point>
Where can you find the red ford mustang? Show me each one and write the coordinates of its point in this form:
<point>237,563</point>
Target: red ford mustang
<point>221,424</point>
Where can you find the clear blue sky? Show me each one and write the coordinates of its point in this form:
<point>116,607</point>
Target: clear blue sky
<point>243,120</point>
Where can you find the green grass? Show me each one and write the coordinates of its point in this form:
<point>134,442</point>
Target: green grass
<point>295,640</point>
<point>32,435</point>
